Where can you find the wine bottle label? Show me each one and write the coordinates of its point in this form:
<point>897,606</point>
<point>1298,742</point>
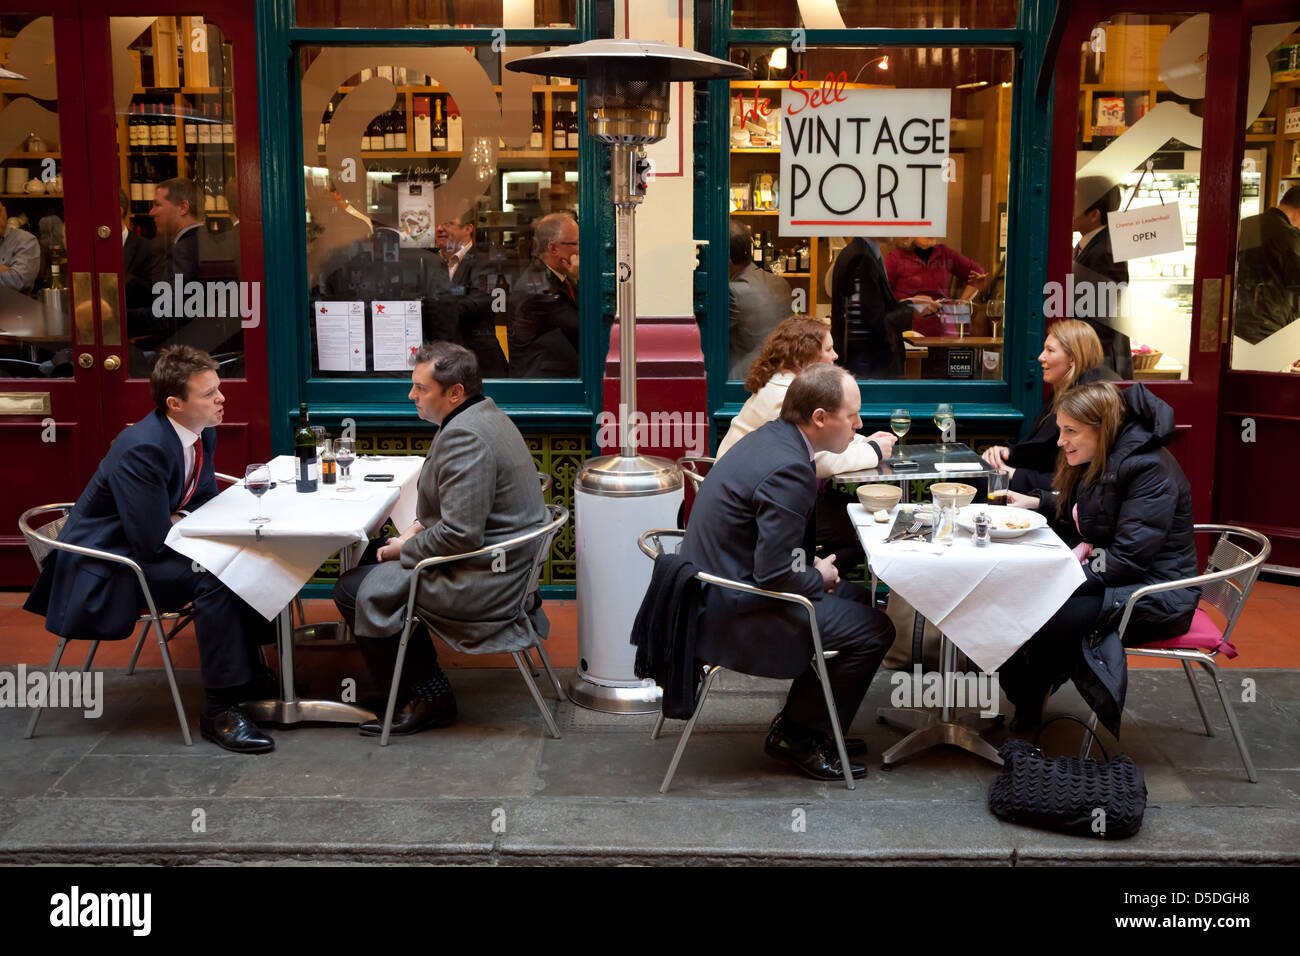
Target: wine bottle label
<point>308,468</point>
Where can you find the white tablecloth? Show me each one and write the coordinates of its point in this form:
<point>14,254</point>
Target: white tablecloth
<point>304,529</point>
<point>988,600</point>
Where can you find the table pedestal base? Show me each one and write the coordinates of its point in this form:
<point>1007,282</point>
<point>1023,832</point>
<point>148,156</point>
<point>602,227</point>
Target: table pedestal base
<point>288,712</point>
<point>929,731</point>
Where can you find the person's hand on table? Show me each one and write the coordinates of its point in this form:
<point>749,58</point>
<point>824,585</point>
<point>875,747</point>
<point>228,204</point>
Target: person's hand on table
<point>830,576</point>
<point>997,457</point>
<point>886,442</point>
<point>1017,500</point>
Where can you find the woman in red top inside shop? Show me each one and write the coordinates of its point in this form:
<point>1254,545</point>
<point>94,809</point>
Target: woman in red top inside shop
<point>922,266</point>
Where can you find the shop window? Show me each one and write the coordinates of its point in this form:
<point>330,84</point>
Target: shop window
<point>910,15</point>
<point>1266,301</point>
<point>936,311</point>
<point>441,205</point>
<point>436,13</point>
<point>35,319</point>
<point>1139,161</point>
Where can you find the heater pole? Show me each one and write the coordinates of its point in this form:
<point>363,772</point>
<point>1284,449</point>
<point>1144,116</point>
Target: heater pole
<point>626,174</point>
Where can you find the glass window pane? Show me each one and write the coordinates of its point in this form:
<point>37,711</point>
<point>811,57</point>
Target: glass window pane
<point>35,318</point>
<point>180,209</point>
<point>1266,303</point>
<point>837,14</point>
<point>436,193</point>
<point>898,306</point>
<point>517,14</point>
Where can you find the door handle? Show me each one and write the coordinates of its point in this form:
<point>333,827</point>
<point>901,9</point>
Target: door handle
<point>112,363</point>
<point>85,360</point>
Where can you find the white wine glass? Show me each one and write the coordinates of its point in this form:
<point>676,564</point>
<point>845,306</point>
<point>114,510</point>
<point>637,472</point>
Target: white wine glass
<point>943,420</point>
<point>900,423</point>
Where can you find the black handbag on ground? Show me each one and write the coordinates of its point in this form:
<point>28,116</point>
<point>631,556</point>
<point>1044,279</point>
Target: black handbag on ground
<point>1104,798</point>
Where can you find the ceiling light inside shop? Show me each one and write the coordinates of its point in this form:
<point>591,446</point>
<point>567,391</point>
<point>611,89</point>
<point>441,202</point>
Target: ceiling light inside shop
<point>778,60</point>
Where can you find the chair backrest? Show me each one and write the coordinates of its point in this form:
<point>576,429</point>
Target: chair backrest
<point>558,516</point>
<point>1233,548</point>
<point>546,481</point>
<point>41,549</point>
<point>695,468</point>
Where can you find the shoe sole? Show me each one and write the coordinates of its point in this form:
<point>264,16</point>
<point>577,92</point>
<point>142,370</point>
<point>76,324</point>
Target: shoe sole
<point>259,750</point>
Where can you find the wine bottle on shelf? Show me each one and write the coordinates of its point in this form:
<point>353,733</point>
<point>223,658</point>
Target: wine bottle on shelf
<point>559,132</point>
<point>537,140</point>
<point>137,181</point>
<point>399,130</point>
<point>209,194</point>
<point>573,127</point>
<point>219,188</point>
<point>191,130</point>
<point>423,124</point>
<point>368,137</point>
<point>205,125</point>
<point>769,251</point>
<point>304,449</point>
<point>159,127</point>
<point>756,248</point>
<point>389,128</point>
<point>455,128</point>
<point>439,126</point>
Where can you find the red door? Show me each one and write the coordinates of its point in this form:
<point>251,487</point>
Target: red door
<point>111,100</point>
<point>1131,84</point>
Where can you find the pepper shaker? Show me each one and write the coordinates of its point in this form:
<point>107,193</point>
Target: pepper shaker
<point>982,529</point>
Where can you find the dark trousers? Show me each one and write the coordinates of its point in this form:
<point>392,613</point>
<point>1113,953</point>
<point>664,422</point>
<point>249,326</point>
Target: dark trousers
<point>1046,660</point>
<point>380,653</point>
<point>849,624</point>
<point>227,630</point>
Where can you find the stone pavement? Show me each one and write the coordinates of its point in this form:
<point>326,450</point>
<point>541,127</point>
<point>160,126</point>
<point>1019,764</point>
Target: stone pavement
<point>494,789</point>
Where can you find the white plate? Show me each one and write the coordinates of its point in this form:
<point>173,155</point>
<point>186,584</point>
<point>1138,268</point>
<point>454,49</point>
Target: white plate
<point>998,516</point>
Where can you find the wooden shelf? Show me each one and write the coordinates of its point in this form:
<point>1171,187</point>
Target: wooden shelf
<point>31,195</point>
<point>756,149</point>
<point>756,212</point>
<point>20,157</point>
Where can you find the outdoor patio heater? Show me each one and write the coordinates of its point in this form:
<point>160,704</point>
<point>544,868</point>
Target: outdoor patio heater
<point>616,497</point>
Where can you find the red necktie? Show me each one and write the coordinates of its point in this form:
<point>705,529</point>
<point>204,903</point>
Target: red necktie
<point>568,287</point>
<point>193,483</point>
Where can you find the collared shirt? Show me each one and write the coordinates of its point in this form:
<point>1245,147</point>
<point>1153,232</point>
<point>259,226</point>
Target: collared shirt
<point>188,438</point>
<point>125,232</point>
<point>807,444</point>
<point>21,252</point>
<point>1087,238</point>
<point>183,231</point>
<point>454,262</point>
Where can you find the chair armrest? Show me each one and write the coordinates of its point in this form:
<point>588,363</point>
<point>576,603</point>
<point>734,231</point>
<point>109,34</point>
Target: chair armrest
<point>643,541</point>
<point>228,479</point>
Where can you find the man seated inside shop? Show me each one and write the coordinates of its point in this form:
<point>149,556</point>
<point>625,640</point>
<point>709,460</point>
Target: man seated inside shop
<point>1094,263</point>
<point>1268,270</point>
<point>867,322</point>
<point>478,487</point>
<point>759,301</point>
<point>543,328</point>
<point>751,519</point>
<point>157,470</point>
<point>463,281</point>
<point>20,256</point>
<point>922,268</point>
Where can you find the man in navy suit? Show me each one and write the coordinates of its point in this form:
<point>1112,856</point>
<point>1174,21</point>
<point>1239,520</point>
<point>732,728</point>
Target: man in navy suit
<point>751,522</point>
<point>156,470</point>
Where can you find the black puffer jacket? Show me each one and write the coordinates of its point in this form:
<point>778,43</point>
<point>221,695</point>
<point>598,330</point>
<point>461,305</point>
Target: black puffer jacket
<point>1138,518</point>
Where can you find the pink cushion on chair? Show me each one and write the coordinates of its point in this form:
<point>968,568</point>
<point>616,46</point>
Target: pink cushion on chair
<point>1203,635</point>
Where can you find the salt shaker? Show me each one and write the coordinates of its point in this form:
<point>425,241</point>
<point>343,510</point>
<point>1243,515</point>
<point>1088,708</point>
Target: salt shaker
<point>982,526</point>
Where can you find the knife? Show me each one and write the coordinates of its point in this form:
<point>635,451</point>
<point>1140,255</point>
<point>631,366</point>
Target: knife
<point>902,522</point>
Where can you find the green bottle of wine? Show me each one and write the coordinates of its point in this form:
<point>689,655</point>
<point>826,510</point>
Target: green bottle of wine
<point>304,449</point>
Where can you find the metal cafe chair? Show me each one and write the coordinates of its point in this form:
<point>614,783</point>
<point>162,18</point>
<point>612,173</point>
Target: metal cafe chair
<point>819,657</point>
<point>44,539</point>
<point>695,468</point>
<point>542,537</point>
<point>1230,574</point>
<point>546,481</point>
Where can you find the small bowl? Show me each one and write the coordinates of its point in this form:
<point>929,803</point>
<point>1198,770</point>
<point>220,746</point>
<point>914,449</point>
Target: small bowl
<point>879,497</point>
<point>956,493</point>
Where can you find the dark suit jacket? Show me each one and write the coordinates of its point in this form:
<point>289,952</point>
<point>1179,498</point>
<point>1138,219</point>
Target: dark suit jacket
<point>126,509</point>
<point>1095,262</point>
<point>182,256</point>
<point>750,518</point>
<point>141,268</point>
<point>867,322</point>
<point>1268,276</point>
<point>543,329</point>
<point>759,301</point>
<point>471,301</point>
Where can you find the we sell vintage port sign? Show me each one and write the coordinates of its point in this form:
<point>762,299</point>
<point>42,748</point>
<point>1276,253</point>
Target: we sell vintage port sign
<point>864,162</point>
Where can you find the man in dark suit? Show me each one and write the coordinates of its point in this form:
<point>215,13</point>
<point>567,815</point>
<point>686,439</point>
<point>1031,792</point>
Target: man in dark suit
<point>154,471</point>
<point>867,322</point>
<point>543,329</point>
<point>759,301</point>
<point>141,261</point>
<point>752,522</point>
<point>464,281</point>
<point>1268,270</point>
<point>1094,262</point>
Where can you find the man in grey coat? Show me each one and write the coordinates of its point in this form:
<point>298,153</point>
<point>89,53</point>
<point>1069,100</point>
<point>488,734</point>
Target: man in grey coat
<point>478,486</point>
<point>759,301</point>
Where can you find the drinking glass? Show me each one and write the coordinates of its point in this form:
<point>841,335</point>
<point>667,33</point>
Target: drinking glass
<point>319,432</point>
<point>900,423</point>
<point>257,479</point>
<point>345,453</point>
<point>994,312</point>
<point>943,420</point>
<point>997,487</point>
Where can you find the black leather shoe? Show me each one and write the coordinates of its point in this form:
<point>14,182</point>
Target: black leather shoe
<point>809,755</point>
<point>418,714</point>
<point>232,729</point>
<point>852,745</point>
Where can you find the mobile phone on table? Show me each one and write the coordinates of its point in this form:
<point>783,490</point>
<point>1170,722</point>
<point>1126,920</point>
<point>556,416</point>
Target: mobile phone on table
<point>378,478</point>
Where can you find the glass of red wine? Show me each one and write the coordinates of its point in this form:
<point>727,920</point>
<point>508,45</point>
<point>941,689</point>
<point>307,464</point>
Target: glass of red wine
<point>257,479</point>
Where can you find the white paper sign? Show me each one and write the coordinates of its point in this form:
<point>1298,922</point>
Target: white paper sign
<point>863,162</point>
<point>1147,231</point>
<point>395,331</point>
<point>340,336</point>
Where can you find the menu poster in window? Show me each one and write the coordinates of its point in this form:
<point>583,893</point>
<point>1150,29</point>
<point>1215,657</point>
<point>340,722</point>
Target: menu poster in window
<point>394,334</point>
<point>1145,231</point>
<point>340,336</point>
<point>864,162</point>
<point>415,220</point>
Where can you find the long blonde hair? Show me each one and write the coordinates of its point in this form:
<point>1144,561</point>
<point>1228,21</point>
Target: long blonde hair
<point>1079,341</point>
<point>790,346</point>
<point>1097,405</point>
